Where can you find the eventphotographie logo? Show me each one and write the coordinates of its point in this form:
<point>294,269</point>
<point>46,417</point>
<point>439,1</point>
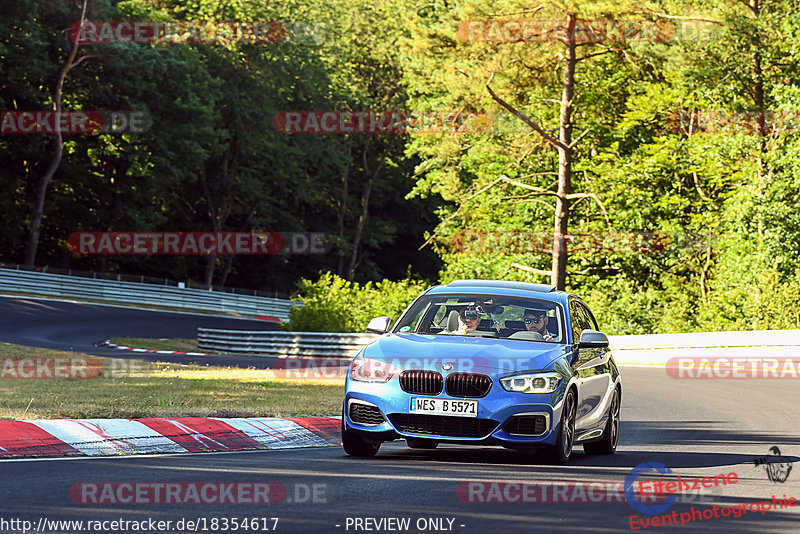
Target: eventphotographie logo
<point>776,465</point>
<point>633,498</point>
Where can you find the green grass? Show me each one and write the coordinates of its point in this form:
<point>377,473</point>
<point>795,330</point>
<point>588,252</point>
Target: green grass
<point>131,389</point>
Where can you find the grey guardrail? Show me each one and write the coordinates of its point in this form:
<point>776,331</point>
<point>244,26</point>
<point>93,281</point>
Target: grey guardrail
<point>271,343</point>
<point>658,349</point>
<point>138,293</point>
<point>628,350</point>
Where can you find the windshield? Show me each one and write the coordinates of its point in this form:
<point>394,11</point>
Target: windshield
<point>485,316</point>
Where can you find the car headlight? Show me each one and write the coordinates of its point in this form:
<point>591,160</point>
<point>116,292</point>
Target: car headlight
<point>369,370</point>
<point>532,382</point>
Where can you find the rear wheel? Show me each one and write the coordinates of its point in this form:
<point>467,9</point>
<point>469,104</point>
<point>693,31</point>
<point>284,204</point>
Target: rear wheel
<point>608,444</point>
<point>421,443</point>
<point>562,450</point>
<point>355,445</point>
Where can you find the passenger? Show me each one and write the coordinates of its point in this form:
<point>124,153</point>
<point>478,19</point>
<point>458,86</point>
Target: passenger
<point>468,320</point>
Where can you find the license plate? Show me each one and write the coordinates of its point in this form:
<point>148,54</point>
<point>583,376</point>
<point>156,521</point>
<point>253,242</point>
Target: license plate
<point>459,408</point>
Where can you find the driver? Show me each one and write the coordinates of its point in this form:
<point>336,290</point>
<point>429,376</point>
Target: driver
<point>536,321</point>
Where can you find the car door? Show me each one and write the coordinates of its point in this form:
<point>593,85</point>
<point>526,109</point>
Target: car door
<point>591,368</point>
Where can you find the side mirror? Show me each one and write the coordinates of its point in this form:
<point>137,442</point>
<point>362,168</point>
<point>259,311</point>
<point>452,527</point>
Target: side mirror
<point>379,325</point>
<point>592,339</point>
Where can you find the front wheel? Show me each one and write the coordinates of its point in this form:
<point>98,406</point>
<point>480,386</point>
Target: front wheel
<point>355,445</point>
<point>608,443</point>
<point>562,450</point>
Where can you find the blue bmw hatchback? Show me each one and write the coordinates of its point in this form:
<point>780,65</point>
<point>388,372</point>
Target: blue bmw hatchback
<point>486,362</point>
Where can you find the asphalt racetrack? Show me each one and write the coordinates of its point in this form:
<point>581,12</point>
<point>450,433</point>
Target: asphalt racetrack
<point>698,428</point>
<point>78,326</point>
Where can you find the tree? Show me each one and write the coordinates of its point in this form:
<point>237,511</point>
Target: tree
<point>72,60</point>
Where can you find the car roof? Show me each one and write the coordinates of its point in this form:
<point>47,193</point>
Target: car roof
<point>501,287</point>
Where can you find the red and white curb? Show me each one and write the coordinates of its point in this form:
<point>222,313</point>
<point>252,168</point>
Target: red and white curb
<point>104,437</point>
<point>107,344</point>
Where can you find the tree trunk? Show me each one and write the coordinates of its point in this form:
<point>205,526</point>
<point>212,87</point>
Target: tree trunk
<point>558,276</point>
<point>223,278</point>
<point>758,100</point>
<point>41,189</point>
<point>343,208</point>
<point>363,217</point>
<point>218,214</point>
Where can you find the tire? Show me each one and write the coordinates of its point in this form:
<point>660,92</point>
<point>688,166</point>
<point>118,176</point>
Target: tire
<point>421,443</point>
<point>562,450</point>
<point>608,443</point>
<point>355,445</point>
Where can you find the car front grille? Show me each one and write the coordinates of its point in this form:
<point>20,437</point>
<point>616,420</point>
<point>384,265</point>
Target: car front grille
<point>421,382</point>
<point>526,425</point>
<point>442,425</point>
<point>468,385</point>
<point>365,414</point>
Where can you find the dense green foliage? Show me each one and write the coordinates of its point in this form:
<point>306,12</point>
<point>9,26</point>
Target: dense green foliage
<point>333,304</point>
<point>213,161</point>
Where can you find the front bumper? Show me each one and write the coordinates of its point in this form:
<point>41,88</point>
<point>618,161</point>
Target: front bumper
<point>496,424</point>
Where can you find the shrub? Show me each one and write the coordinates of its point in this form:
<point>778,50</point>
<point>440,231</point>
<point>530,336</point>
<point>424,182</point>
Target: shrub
<point>333,304</point>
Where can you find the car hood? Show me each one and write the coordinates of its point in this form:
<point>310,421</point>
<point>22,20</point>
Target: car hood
<point>464,353</point>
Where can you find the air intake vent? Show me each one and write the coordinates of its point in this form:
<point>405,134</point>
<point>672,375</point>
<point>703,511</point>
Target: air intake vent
<point>421,382</point>
<point>442,425</point>
<point>468,385</point>
<point>365,414</point>
<point>526,425</point>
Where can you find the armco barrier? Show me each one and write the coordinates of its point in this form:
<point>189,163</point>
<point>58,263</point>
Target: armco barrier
<point>656,349</point>
<point>652,349</point>
<point>136,293</point>
<point>272,343</point>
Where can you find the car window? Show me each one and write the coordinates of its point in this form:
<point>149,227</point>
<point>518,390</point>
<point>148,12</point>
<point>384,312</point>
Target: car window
<point>589,317</point>
<point>439,316</point>
<point>579,318</point>
<point>416,314</point>
<point>485,316</point>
